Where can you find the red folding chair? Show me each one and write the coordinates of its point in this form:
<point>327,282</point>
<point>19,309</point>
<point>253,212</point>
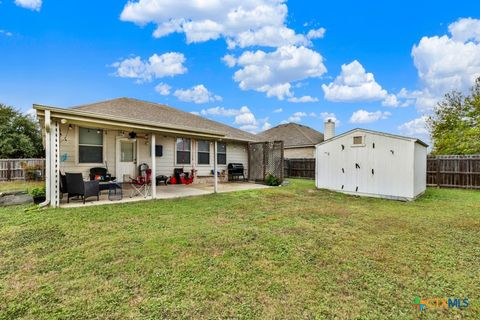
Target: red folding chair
<point>142,185</point>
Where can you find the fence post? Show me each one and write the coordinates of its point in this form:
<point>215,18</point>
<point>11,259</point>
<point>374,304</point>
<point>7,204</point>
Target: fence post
<point>9,170</point>
<point>438,172</point>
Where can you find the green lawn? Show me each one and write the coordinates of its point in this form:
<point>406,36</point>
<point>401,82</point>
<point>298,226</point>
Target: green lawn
<point>289,252</point>
<point>19,185</point>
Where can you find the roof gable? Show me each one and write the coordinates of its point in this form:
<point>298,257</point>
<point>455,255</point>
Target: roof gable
<point>293,135</point>
<point>377,133</point>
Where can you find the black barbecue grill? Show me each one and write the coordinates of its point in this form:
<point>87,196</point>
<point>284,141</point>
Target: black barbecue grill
<point>235,171</point>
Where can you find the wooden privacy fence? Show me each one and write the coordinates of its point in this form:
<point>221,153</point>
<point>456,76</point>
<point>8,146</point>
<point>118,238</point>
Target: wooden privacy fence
<point>22,169</point>
<point>300,168</point>
<point>454,171</point>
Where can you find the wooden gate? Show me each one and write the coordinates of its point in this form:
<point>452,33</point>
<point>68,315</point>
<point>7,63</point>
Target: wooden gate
<point>265,158</point>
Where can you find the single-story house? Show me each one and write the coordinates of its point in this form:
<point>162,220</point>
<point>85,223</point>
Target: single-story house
<point>121,134</point>
<point>299,141</point>
<point>371,163</point>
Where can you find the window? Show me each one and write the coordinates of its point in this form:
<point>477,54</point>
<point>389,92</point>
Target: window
<point>221,153</point>
<point>183,151</point>
<point>90,145</point>
<point>358,140</point>
<point>203,152</point>
<point>127,151</point>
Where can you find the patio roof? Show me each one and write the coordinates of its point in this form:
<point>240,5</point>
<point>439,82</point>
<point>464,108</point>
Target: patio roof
<point>133,113</point>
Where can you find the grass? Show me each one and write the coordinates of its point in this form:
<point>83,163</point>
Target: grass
<point>19,185</point>
<point>289,252</point>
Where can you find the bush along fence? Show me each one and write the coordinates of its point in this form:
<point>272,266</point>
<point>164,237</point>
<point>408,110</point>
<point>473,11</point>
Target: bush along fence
<point>22,169</point>
<point>299,168</point>
<point>454,171</point>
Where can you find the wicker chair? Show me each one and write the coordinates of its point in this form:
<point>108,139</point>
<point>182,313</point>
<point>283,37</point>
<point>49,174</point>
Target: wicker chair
<point>76,187</point>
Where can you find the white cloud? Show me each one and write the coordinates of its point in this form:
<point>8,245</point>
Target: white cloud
<point>414,127</point>
<point>157,66</point>
<point>6,33</point>
<point>224,112</point>
<point>465,29</point>
<point>273,72</point>
<point>242,23</point>
<point>297,117</point>
<point>363,116</point>
<point>446,63</point>
<point>303,99</point>
<point>391,101</point>
<point>266,126</point>
<point>354,84</point>
<point>163,89</point>
<point>278,110</point>
<point>29,4</point>
<point>197,94</point>
<point>329,116</point>
<point>316,33</point>
<point>195,113</point>
<point>229,60</point>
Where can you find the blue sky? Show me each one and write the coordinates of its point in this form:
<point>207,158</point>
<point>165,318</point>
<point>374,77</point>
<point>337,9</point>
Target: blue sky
<point>252,64</point>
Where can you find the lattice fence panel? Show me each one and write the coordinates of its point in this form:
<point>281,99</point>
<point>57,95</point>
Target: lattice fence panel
<point>265,158</point>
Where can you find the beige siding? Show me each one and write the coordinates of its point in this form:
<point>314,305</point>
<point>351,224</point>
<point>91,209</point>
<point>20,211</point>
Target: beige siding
<point>307,152</point>
<point>236,152</point>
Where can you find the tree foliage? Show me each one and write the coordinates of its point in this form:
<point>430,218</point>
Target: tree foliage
<point>19,135</point>
<point>455,123</point>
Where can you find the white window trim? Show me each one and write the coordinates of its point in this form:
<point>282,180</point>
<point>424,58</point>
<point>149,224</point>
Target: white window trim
<point>225,153</point>
<point>209,154</point>
<point>363,140</point>
<point>191,152</point>
<point>77,148</point>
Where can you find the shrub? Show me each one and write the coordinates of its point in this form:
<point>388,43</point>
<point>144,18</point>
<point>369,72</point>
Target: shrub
<point>272,180</point>
<point>37,192</point>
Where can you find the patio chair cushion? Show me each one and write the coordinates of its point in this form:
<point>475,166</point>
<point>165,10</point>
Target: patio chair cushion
<point>99,173</point>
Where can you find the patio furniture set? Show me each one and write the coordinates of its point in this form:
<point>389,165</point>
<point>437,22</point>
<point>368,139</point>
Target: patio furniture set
<point>76,187</point>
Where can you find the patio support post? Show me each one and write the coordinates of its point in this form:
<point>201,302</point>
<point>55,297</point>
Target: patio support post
<point>154,167</point>
<point>48,164</point>
<point>215,175</point>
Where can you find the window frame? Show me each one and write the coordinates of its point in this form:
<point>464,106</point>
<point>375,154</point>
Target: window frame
<point>219,153</point>
<point>358,144</point>
<point>189,152</point>
<point>102,146</point>
<point>203,152</point>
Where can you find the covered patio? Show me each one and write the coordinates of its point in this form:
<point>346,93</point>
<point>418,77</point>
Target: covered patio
<point>164,192</point>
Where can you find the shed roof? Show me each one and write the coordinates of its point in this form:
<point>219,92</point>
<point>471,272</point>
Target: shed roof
<point>293,135</point>
<point>395,136</point>
<point>138,110</point>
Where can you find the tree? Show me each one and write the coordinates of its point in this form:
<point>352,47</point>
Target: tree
<point>19,135</point>
<point>455,123</point>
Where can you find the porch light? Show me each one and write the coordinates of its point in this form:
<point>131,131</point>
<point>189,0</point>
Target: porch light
<point>63,121</point>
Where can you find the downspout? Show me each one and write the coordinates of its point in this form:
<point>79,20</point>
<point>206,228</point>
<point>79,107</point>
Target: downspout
<point>48,165</point>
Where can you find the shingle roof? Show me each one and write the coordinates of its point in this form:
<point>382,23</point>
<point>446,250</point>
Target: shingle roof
<point>293,135</point>
<point>148,111</point>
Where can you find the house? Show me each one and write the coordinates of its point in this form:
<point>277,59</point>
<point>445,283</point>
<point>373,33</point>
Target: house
<point>299,141</point>
<point>371,163</point>
<point>121,134</point>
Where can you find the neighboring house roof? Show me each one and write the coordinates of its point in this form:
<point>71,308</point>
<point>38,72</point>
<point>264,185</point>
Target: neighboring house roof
<point>292,135</point>
<point>138,110</point>
<point>377,133</point>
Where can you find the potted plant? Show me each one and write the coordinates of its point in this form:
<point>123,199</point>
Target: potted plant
<point>38,194</point>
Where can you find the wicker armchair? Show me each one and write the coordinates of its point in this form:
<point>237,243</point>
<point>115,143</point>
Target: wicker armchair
<point>76,187</point>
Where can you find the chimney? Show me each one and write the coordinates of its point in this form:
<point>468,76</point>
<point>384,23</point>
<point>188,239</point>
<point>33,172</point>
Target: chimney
<point>329,131</point>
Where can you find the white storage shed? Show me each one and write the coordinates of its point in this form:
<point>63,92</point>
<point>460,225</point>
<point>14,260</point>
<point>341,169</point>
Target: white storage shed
<point>370,163</point>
